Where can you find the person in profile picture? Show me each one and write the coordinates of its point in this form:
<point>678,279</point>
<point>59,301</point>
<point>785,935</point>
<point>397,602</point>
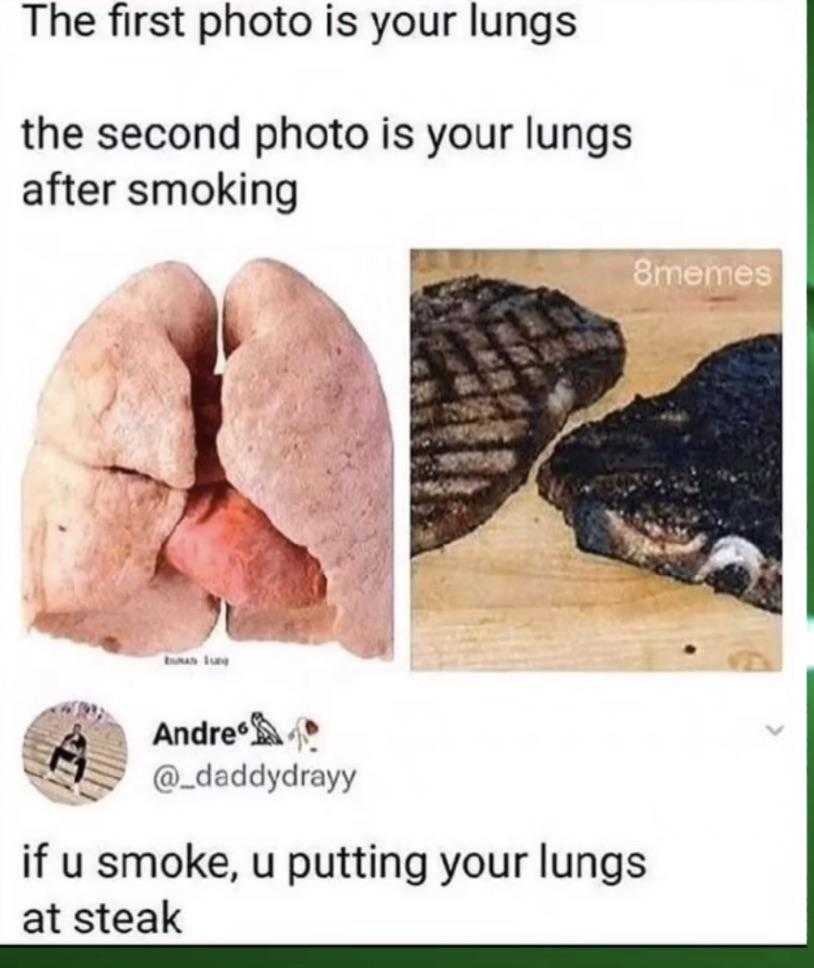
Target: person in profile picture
<point>73,748</point>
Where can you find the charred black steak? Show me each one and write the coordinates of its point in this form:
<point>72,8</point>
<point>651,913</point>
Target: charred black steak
<point>688,483</point>
<point>496,370</point>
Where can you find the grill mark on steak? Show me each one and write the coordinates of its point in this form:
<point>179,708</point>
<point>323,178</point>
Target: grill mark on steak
<point>429,491</point>
<point>688,483</point>
<point>460,436</point>
<point>495,372</point>
<point>470,410</point>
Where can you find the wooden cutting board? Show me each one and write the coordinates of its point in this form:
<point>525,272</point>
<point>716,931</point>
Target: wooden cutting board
<point>516,593</point>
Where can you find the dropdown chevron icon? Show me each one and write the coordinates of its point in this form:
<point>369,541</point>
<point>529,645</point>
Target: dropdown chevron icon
<point>775,730</point>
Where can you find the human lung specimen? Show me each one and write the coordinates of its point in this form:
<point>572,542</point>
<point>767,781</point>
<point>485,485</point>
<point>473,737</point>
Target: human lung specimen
<point>156,487</point>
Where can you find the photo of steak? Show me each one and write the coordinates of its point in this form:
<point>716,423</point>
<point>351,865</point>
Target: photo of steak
<point>496,369</point>
<point>687,484</point>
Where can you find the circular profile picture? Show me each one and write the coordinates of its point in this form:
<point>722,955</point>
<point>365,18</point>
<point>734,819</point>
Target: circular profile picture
<point>75,753</point>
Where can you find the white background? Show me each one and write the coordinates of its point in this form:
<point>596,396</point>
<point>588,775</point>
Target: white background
<point>680,766</point>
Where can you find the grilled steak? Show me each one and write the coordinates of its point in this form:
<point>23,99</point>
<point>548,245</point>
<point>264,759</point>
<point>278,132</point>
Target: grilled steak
<point>496,370</point>
<point>688,483</point>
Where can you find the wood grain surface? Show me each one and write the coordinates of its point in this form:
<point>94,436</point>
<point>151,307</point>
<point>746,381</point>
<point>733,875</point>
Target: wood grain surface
<point>516,594</point>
